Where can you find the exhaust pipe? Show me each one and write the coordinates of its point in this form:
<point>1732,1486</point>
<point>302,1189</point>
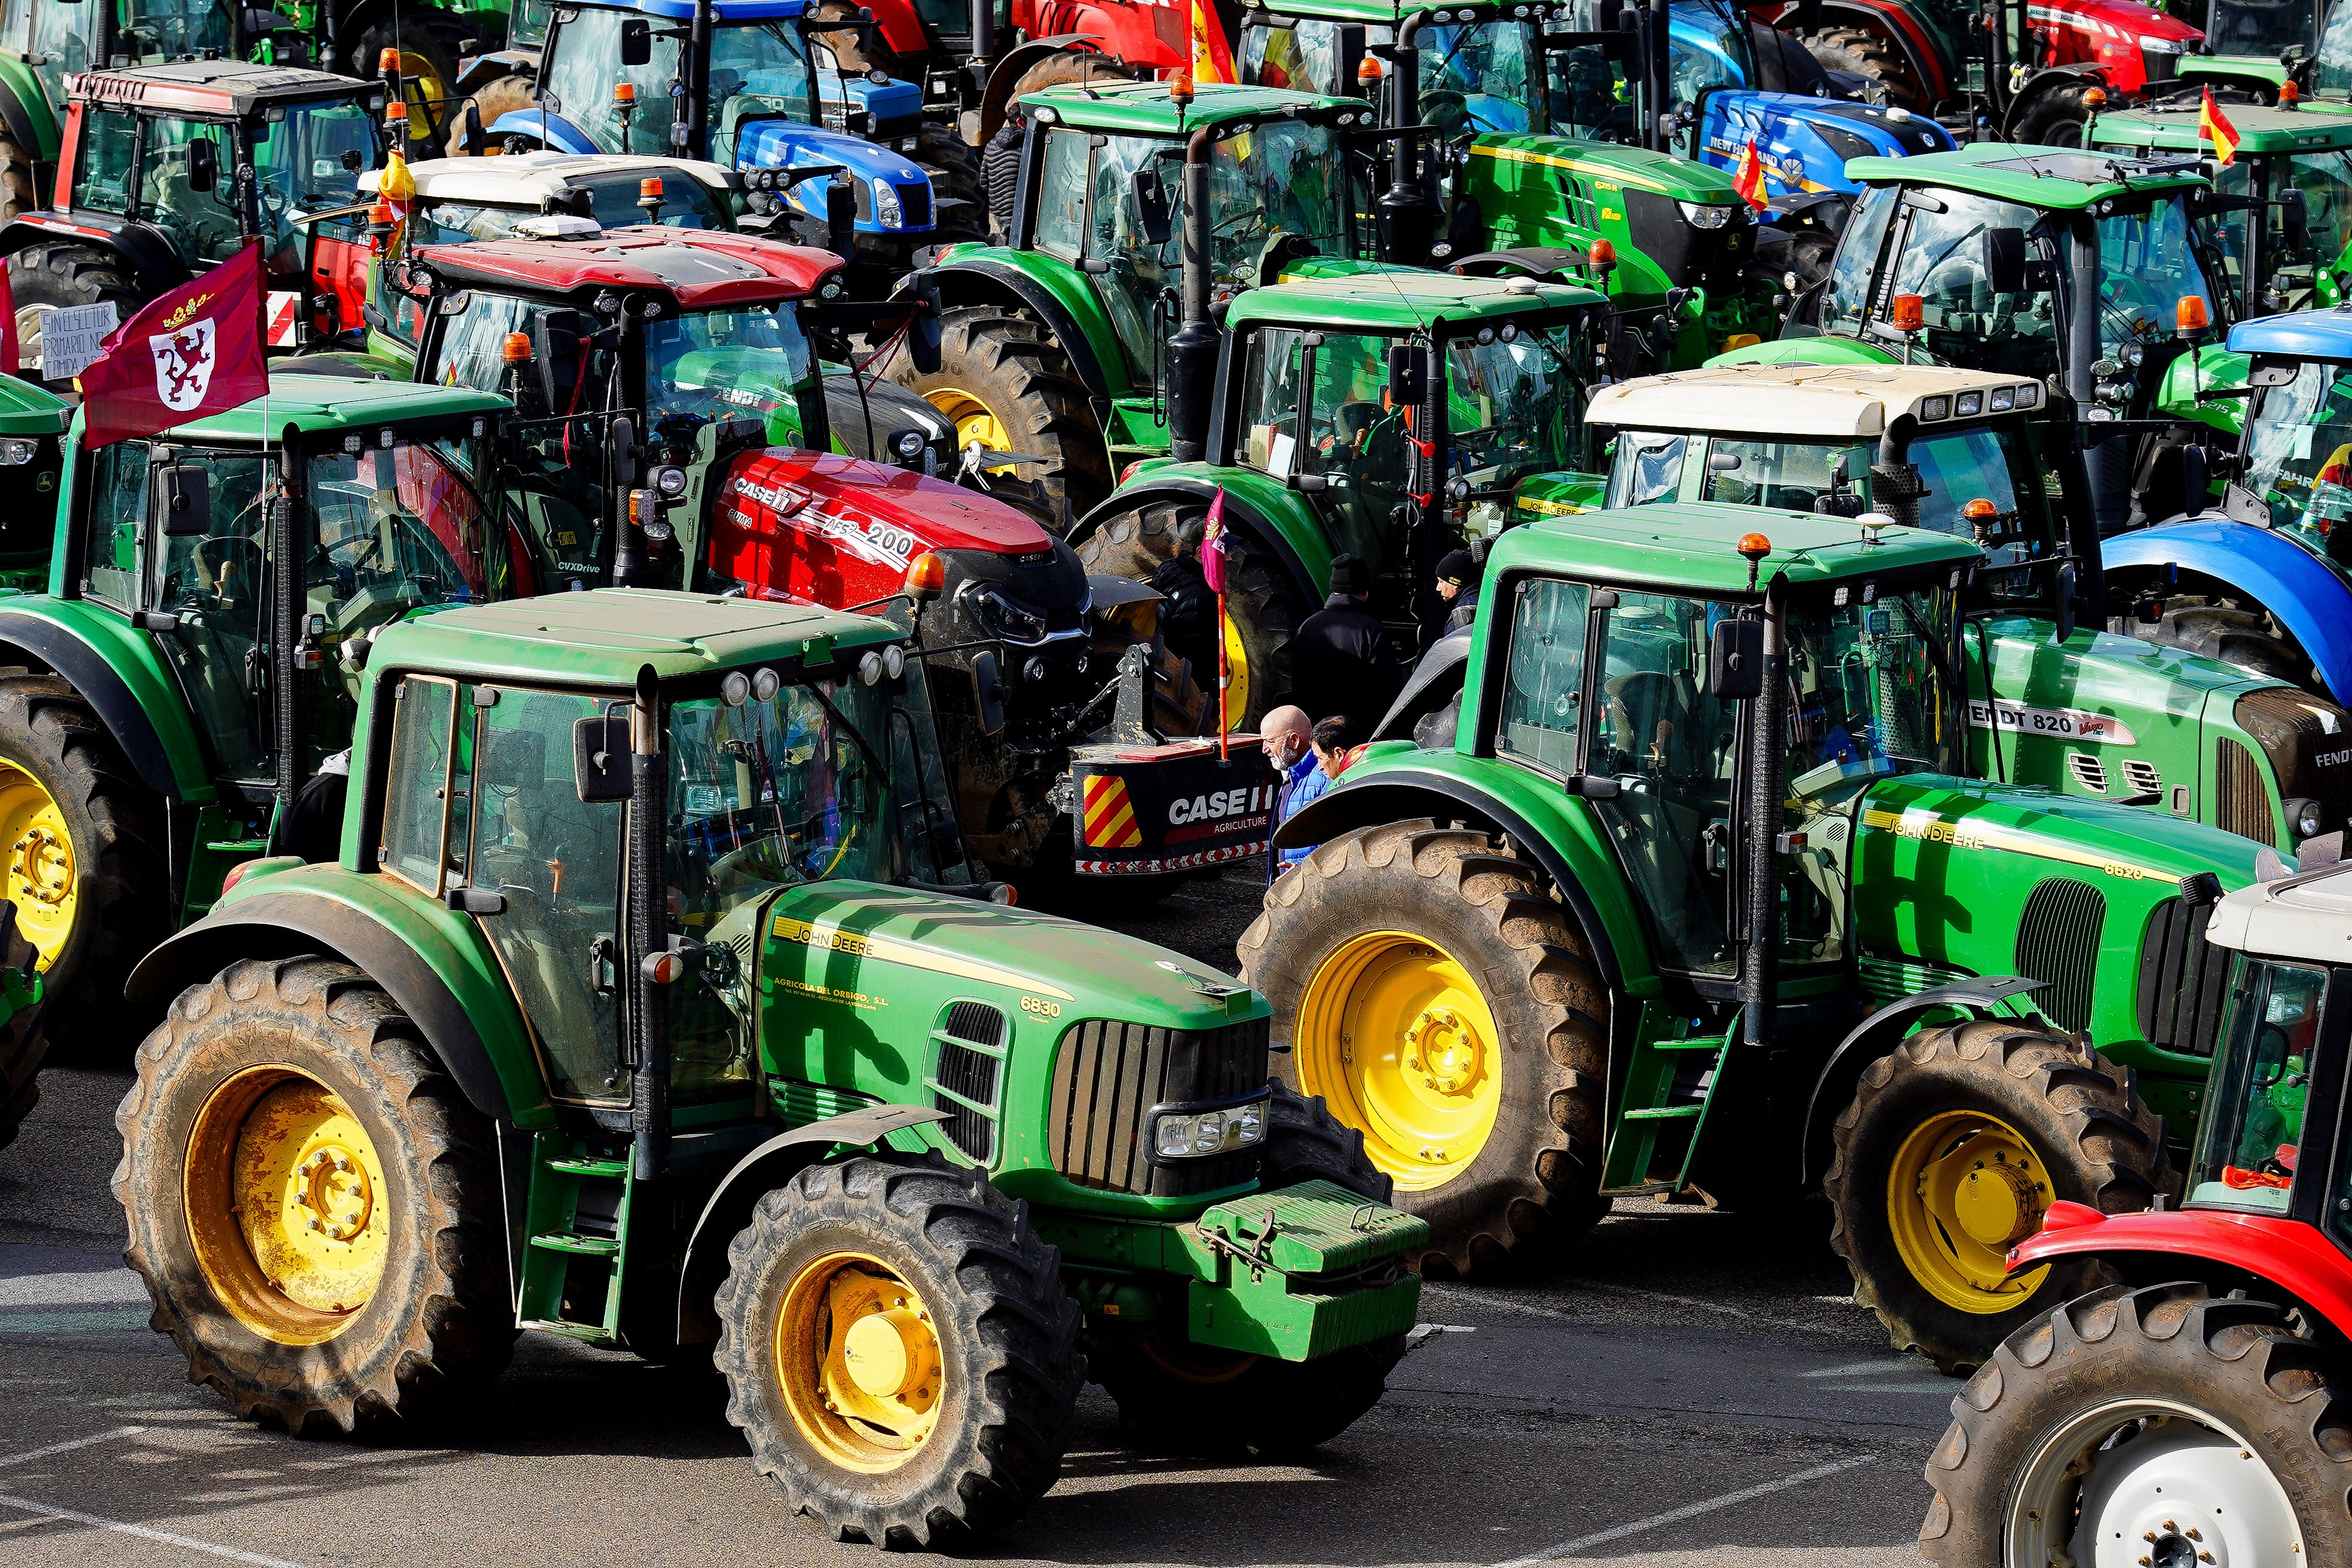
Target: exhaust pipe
<point>1406,213</point>
<point>1192,352</point>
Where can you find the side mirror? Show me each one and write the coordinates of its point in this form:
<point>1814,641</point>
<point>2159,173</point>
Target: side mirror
<point>1735,660</point>
<point>990,691</point>
<point>204,165</point>
<point>1408,374</point>
<point>923,332</point>
<point>183,500</point>
<point>1153,215</point>
<point>2004,260</point>
<point>2065,601</point>
<point>636,42</point>
<point>599,757</point>
<point>2295,218</point>
<point>625,452</point>
<point>257,22</point>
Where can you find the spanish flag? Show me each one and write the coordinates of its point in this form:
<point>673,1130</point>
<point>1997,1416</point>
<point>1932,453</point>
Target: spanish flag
<point>1212,60</point>
<point>1747,179</point>
<point>2214,126</point>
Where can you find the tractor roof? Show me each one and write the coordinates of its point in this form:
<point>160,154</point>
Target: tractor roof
<point>1394,10</point>
<point>526,179</point>
<point>604,636</point>
<point>2260,129</point>
<point>2299,334</point>
<point>2307,917</point>
<point>216,87</point>
<point>326,402</point>
<point>1397,300</point>
<point>1144,108</point>
<point>1831,402</point>
<point>1692,547</point>
<point>726,10</point>
<point>2045,177</point>
<point>27,410</point>
<point>699,269</point>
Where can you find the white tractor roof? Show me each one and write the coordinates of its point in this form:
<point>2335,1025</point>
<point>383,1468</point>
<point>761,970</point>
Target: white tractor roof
<point>2307,916</point>
<point>1827,401</point>
<point>525,179</point>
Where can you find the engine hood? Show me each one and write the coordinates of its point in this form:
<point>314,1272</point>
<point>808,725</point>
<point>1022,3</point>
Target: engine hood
<point>2021,825</point>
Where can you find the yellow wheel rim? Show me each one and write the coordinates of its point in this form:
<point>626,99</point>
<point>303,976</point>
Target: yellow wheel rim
<point>424,91</point>
<point>1392,1032</point>
<point>40,875</point>
<point>1237,675</point>
<point>1964,1189</point>
<point>973,421</point>
<point>858,1358</point>
<point>285,1205</point>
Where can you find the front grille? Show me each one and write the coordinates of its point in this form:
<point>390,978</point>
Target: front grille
<point>967,1064</point>
<point>915,206</point>
<point>1109,1074</point>
<point>2309,742</point>
<point>2058,942</point>
<point>2240,804</point>
<point>2088,772</point>
<point>2180,979</point>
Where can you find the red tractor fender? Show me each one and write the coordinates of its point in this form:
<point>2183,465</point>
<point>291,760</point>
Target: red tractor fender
<point>1123,35</point>
<point>900,27</point>
<point>2288,1253</point>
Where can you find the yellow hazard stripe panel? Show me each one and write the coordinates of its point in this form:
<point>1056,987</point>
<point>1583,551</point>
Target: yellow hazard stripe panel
<point>890,950</point>
<point>1110,816</point>
<point>1926,826</point>
<point>1577,165</point>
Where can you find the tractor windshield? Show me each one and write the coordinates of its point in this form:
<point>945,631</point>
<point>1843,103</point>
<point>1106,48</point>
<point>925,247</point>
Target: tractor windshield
<point>1283,179</point>
<point>2324,175</point>
<point>2247,1149</point>
<point>1513,407</point>
<point>751,360</point>
<point>2299,454</point>
<point>755,67</point>
<point>310,161</point>
<point>1474,76</point>
<point>2246,28</point>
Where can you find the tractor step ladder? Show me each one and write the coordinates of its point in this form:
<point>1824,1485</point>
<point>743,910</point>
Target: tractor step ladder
<point>558,1236</point>
<point>1649,1109</point>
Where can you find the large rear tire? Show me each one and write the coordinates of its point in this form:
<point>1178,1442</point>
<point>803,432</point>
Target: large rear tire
<point>313,1203</point>
<point>1954,1145</point>
<point>2218,627</point>
<point>84,841</point>
<point>507,95</point>
<point>1867,55</point>
<point>19,192</point>
<point>1437,996</point>
<point>2160,1424</point>
<point>1005,383</point>
<point>939,1411</point>
<point>428,64</point>
<point>66,275</point>
<point>2055,117</point>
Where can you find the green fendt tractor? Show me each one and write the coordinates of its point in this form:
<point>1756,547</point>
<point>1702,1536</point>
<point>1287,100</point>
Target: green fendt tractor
<point>1698,894</point>
<point>626,1016</point>
<point>168,699</point>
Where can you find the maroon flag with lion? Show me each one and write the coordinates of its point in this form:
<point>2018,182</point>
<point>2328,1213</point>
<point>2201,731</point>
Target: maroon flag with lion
<point>195,351</point>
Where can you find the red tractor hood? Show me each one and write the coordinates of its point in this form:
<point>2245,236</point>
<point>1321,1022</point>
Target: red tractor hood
<point>840,530</point>
<point>2288,1253</point>
<point>2132,21</point>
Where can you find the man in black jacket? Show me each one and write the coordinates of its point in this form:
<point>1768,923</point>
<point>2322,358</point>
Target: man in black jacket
<point>1341,662</point>
<point>1000,173</point>
<point>1457,584</point>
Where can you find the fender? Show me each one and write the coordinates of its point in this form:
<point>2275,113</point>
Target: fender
<point>125,685</point>
<point>1309,575</point>
<point>1396,795</point>
<point>764,1170</point>
<point>153,256</point>
<point>2049,79</point>
<point>2288,1253</point>
<point>2310,596</point>
<point>900,27</point>
<point>1436,680</point>
<point>1085,348</point>
<point>32,125</point>
<point>1873,1038</point>
<point>551,130</point>
<point>1015,65</point>
<point>484,69</point>
<point>477,1032</point>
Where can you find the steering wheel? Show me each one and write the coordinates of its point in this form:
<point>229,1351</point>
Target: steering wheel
<point>1444,109</point>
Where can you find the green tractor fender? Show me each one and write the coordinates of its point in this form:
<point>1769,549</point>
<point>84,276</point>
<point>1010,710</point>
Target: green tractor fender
<point>764,1170</point>
<point>26,112</point>
<point>2205,371</point>
<point>1397,784</point>
<point>434,961</point>
<point>116,670</point>
<point>1060,296</point>
<point>1875,1036</point>
<point>1254,503</point>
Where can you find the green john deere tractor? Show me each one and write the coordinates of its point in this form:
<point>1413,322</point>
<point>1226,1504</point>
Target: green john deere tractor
<point>1698,895</point>
<point>171,696</point>
<point>638,1010</point>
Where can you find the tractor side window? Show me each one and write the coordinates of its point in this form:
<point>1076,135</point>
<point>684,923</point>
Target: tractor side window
<point>118,515</point>
<point>1648,466</point>
<point>1845,299</point>
<point>17,25</point>
<point>102,164</point>
<point>1957,470</point>
<point>1143,276</point>
<point>1358,443</point>
<point>204,223</point>
<point>2247,1150</point>
<point>1789,475</point>
<point>216,584</point>
<point>1062,194</point>
<point>1301,55</point>
<point>557,862</point>
<point>471,351</point>
<point>416,788</point>
<point>54,37</point>
<point>1270,398</point>
<point>1544,688</point>
<point>2148,266</point>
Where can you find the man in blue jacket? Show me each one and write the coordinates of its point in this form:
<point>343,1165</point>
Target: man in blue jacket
<point>1285,735</point>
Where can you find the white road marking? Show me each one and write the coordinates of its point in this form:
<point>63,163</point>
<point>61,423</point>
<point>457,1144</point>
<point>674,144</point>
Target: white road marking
<point>166,1537</point>
<point>1504,1303</point>
<point>1689,1511</point>
<point>68,1446</point>
<point>1882,1365</point>
<point>1421,1333</point>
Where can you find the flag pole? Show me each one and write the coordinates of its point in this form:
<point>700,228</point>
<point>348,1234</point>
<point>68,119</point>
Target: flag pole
<point>1225,679</point>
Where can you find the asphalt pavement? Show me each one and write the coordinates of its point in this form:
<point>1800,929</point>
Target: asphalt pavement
<point>1691,1388</point>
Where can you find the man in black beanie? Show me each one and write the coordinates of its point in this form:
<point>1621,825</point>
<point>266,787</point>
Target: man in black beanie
<point>1341,662</point>
<point>1457,584</point>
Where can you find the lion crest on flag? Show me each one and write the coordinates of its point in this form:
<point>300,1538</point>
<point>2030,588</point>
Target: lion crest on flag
<point>183,364</point>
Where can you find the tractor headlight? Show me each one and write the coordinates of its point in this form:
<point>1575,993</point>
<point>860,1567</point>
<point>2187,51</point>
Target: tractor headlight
<point>1196,1132</point>
<point>906,445</point>
<point>1698,214</point>
<point>669,480</point>
<point>886,211</point>
<point>2305,817</point>
<point>15,451</point>
<point>894,662</point>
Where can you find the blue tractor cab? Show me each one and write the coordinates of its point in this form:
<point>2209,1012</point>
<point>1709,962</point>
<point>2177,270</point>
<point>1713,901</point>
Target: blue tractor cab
<point>752,85</point>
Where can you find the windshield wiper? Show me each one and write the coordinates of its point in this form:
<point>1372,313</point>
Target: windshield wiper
<point>873,757</point>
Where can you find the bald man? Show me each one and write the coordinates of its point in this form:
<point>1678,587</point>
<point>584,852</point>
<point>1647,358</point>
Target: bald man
<point>1287,737</point>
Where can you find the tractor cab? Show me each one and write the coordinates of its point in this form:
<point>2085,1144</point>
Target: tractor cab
<point>2273,51</point>
<point>170,170</point>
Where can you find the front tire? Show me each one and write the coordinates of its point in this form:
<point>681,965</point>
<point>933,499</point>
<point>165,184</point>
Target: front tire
<point>65,275</point>
<point>1440,1000</point>
<point>1005,383</point>
<point>312,1202</point>
<point>2159,1423</point>
<point>1865,55</point>
<point>940,1411</point>
<point>1953,1146</point>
